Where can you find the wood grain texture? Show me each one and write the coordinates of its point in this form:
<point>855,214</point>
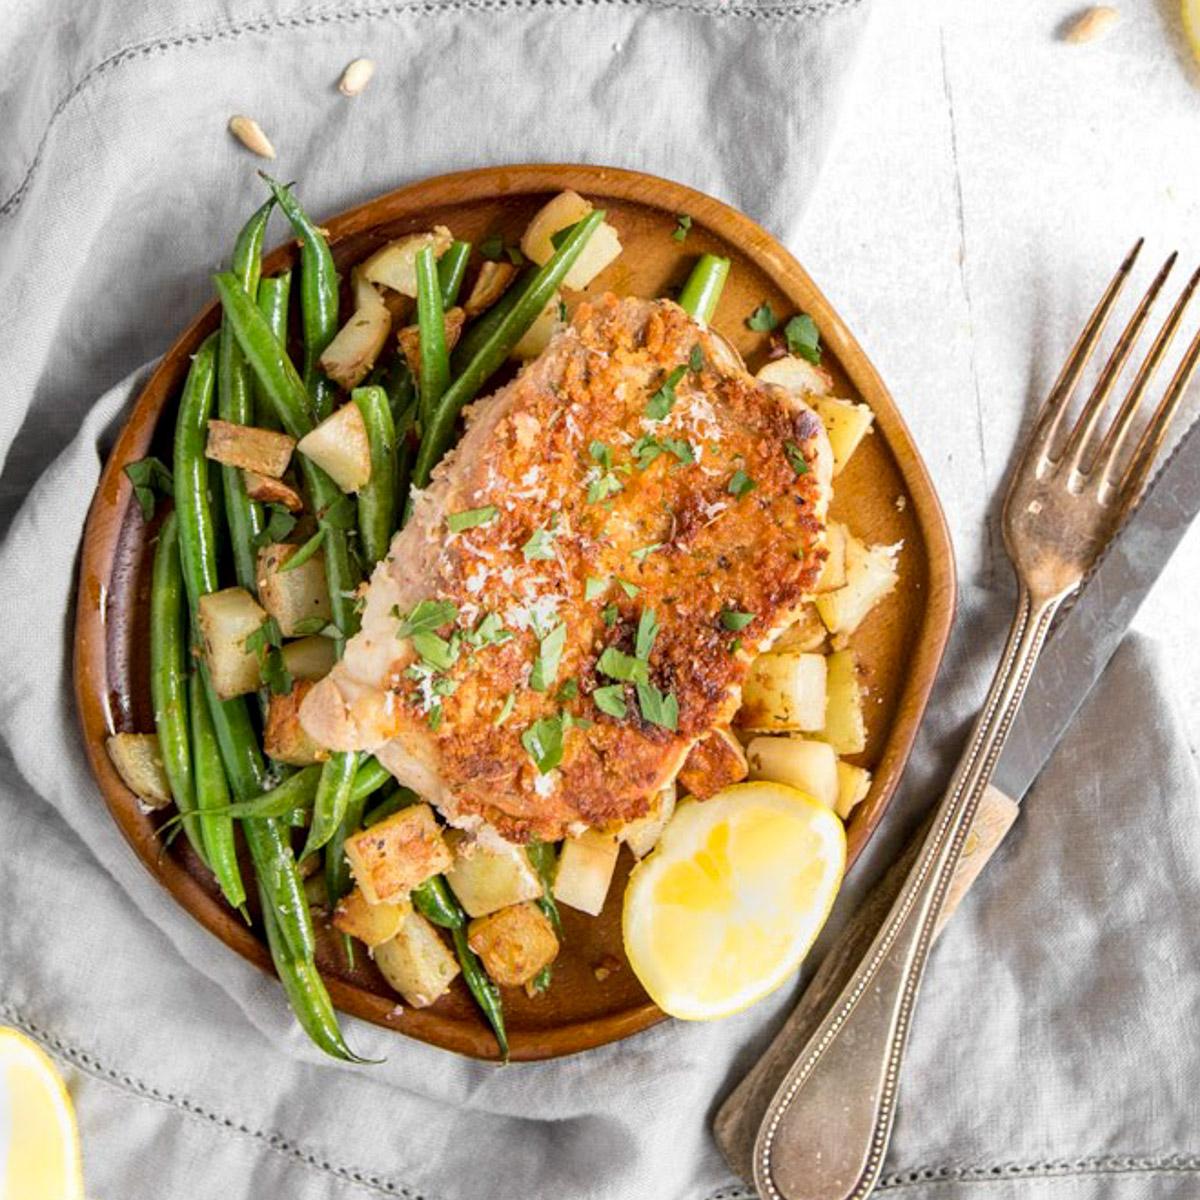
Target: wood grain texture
<point>884,494</point>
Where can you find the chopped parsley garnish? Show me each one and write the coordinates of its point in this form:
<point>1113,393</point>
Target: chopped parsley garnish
<point>681,448</point>
<point>803,338</point>
<point>470,518</point>
<point>506,709</point>
<point>341,514</point>
<point>630,589</point>
<point>795,457</point>
<point>308,626</point>
<point>735,645</point>
<point>150,478</point>
<point>645,551</point>
<point>616,664</point>
<point>435,717</point>
<point>762,319</point>
<point>696,359</point>
<point>489,632</point>
<point>266,642</point>
<point>515,256</point>
<point>663,400</point>
<point>492,247</point>
<point>735,621</point>
<point>540,544</point>
<point>602,487</point>
<point>426,616</point>
<point>610,699</point>
<point>435,651</point>
<point>568,691</point>
<point>647,631</point>
<point>280,524</point>
<point>609,614</point>
<point>304,553</point>
<point>646,449</point>
<point>545,666</point>
<point>593,589</point>
<point>740,483</point>
<point>543,742</point>
<point>683,226</point>
<point>657,708</point>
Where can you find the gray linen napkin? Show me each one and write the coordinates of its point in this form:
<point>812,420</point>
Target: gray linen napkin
<point>1052,1048</point>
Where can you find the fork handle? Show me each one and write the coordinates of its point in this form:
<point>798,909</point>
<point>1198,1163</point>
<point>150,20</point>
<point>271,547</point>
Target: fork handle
<point>826,1130</point>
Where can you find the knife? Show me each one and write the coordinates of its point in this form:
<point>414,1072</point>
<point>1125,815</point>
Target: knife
<point>1079,648</point>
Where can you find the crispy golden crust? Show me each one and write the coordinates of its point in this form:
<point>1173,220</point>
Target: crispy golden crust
<point>677,537</point>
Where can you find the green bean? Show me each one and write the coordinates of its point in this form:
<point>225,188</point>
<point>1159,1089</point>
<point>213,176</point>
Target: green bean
<point>452,269</point>
<point>377,500</point>
<point>335,866</point>
<point>197,535</point>
<point>333,794</point>
<point>486,993</point>
<point>293,796</point>
<point>703,288</point>
<point>212,796</point>
<point>434,901</point>
<point>431,324</point>
<point>318,296</point>
<point>544,860</point>
<point>436,438</point>
<point>392,803</point>
<point>167,676</point>
<point>484,326</point>
<point>305,990</point>
<point>372,775</point>
<point>235,404</point>
<point>274,294</point>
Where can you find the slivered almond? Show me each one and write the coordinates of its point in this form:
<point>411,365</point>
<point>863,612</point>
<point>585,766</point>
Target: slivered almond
<point>249,132</point>
<point>356,76</point>
<point>1091,24</point>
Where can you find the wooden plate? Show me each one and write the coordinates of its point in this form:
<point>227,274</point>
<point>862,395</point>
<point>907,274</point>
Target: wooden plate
<point>884,494</point>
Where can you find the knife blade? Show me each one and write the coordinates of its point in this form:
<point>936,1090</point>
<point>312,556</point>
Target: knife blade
<point>1076,654</point>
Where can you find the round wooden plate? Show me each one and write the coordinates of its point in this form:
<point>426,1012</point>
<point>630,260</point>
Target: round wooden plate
<point>884,494</point>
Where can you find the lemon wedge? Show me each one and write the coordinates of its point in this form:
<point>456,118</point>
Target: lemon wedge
<point>39,1143</point>
<point>1191,25</point>
<point>724,909</point>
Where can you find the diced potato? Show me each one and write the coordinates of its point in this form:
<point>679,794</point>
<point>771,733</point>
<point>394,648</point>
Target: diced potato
<point>853,785</point>
<point>871,574</point>
<point>226,619</point>
<point>398,854</point>
<point>370,923</point>
<point>339,447</point>
<point>395,265</point>
<point>567,208</point>
<point>797,375</point>
<point>491,283</point>
<point>811,767</point>
<point>845,726</point>
<point>264,451</point>
<point>641,835</point>
<point>515,943</point>
<point>846,423</point>
<point>416,962</point>
<point>807,632</point>
<point>409,338</point>
<point>292,597</point>
<point>309,657</point>
<point>138,760</point>
<point>272,491</point>
<point>602,248</point>
<point>284,738</point>
<point>488,878</point>
<point>784,692</point>
<point>715,761</point>
<point>538,335</point>
<point>833,573</point>
<point>585,869</point>
<point>357,345</point>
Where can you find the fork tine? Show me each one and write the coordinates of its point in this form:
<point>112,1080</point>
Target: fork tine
<point>1156,431</point>
<point>1109,453</point>
<point>1081,436</point>
<point>1050,417</point>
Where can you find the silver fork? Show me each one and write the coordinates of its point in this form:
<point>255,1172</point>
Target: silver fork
<point>826,1130</point>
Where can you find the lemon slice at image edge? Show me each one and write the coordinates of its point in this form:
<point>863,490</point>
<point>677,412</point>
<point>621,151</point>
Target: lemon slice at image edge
<point>727,905</point>
<point>1191,26</point>
<point>39,1141</point>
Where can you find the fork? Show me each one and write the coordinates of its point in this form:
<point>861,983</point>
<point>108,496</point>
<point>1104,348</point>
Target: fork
<point>826,1130</point>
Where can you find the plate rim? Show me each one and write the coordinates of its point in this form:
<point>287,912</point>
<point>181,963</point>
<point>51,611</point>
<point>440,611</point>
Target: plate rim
<point>114,494</point>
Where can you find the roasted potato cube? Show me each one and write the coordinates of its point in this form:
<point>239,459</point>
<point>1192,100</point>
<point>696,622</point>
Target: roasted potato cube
<point>490,284</point>
<point>641,835</point>
<point>309,657</point>
<point>565,210</point>
<point>585,869</point>
<point>294,598</point>
<point>409,338</point>
<point>416,962</point>
<point>370,923</point>
<point>798,376</point>
<point>356,346</point>
<point>871,574</point>
<point>339,447</point>
<point>845,726</point>
<point>784,692</point>
<point>488,878</point>
<point>226,619</point>
<point>395,265</point>
<point>833,572</point>
<point>284,738</point>
<point>806,633</point>
<point>853,785</point>
<point>714,762</point>
<point>264,451</point>
<point>272,491</point>
<point>537,336</point>
<point>846,423</point>
<point>138,760</point>
<point>808,766</point>
<point>399,853</point>
<point>515,943</point>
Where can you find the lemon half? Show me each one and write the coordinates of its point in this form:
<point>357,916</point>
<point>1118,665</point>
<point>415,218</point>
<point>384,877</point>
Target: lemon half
<point>1191,25</point>
<point>724,909</point>
<point>39,1143</point>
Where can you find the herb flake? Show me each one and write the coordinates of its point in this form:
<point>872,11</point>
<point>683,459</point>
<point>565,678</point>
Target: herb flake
<point>470,518</point>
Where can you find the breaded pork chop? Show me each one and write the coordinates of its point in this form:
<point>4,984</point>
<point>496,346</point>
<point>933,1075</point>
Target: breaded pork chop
<point>579,593</point>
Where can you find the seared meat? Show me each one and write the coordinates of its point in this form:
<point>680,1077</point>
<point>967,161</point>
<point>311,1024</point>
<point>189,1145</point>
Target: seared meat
<point>562,617</point>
